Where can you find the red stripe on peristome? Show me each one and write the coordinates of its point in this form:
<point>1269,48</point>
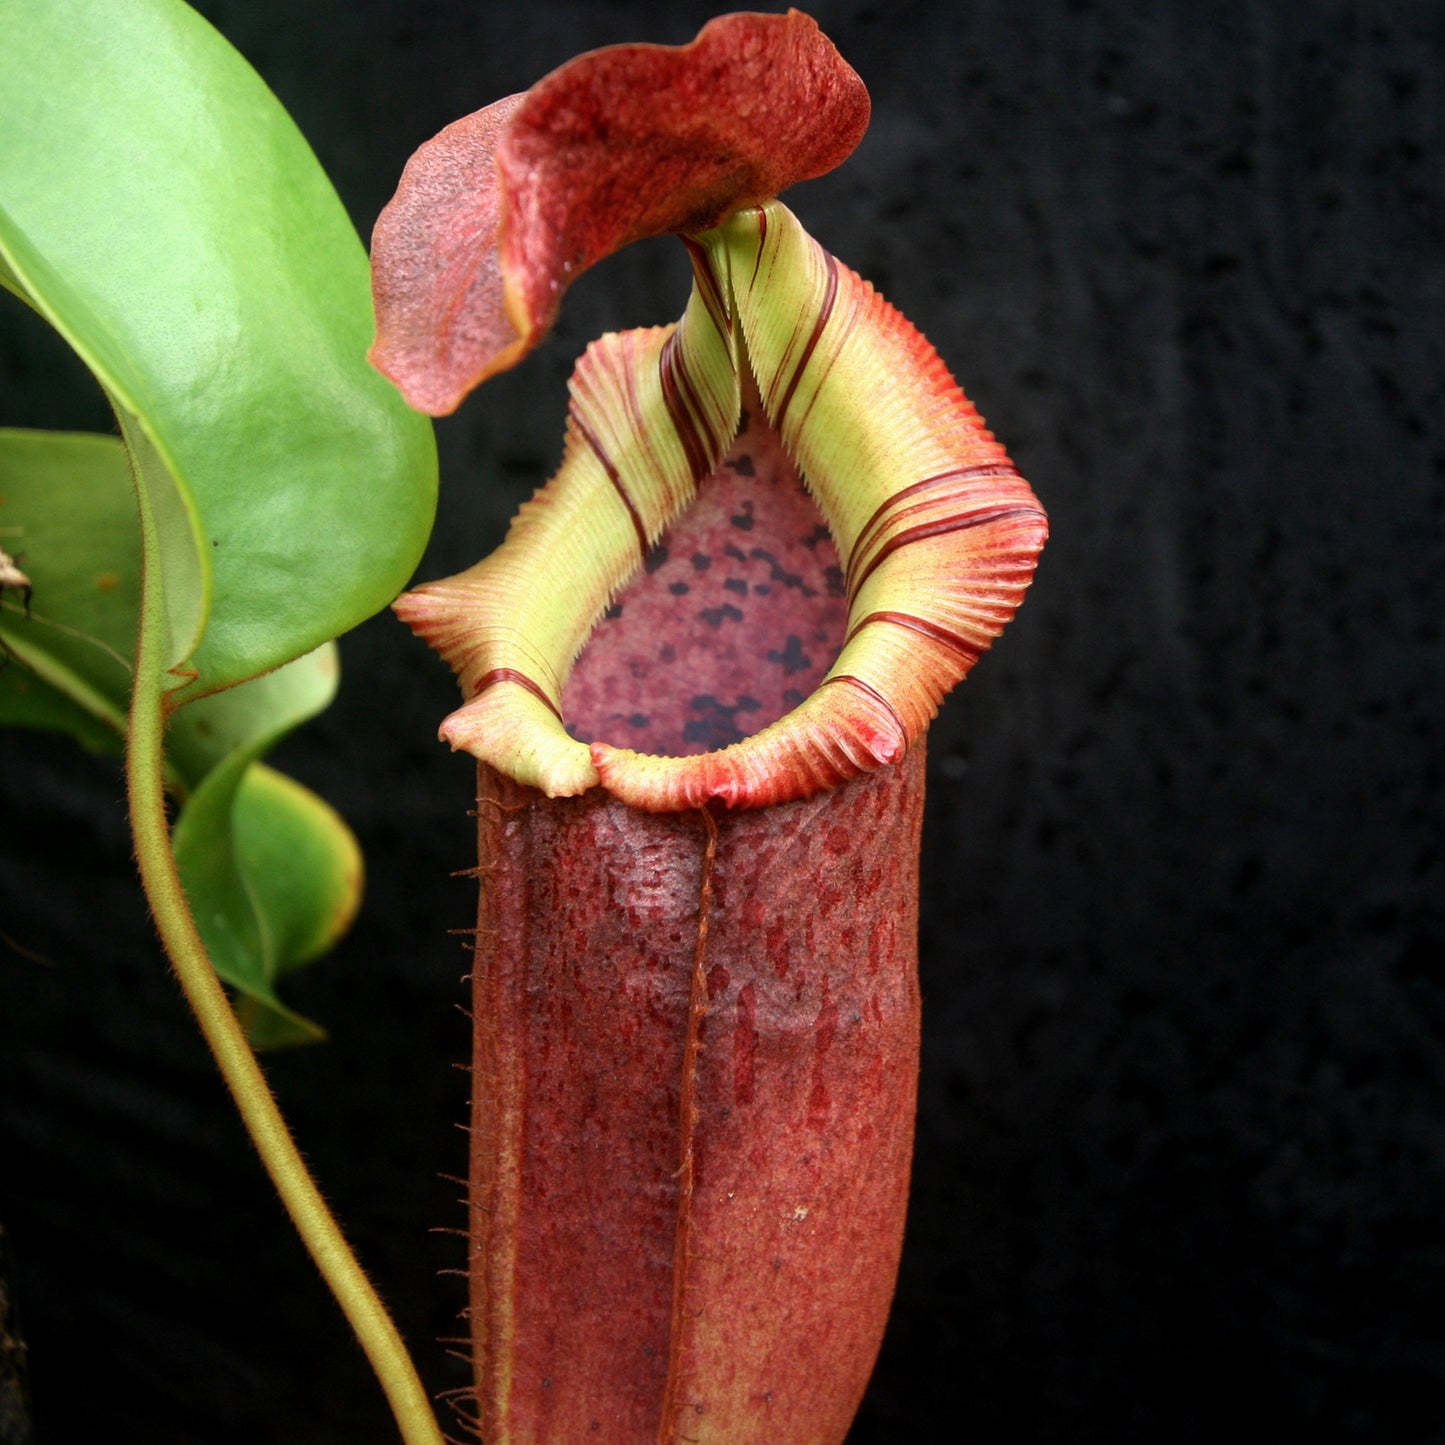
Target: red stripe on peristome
<point>1001,467</point>
<point>612,476</point>
<point>830,295</point>
<point>939,529</point>
<point>874,696</point>
<point>683,408</point>
<point>510,674</point>
<point>713,299</point>
<point>935,632</point>
<point>762,240</point>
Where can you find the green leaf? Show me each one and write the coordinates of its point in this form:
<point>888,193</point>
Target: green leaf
<point>274,878</point>
<point>67,505</point>
<point>306,876</point>
<point>160,209</point>
<point>206,734</point>
<point>68,509</point>
<point>272,872</point>
<point>162,212</point>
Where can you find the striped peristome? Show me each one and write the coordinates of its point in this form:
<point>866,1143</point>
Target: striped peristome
<point>512,625</point>
<point>937,532</point>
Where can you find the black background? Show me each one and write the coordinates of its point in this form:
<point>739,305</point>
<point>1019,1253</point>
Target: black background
<point>1181,1161</point>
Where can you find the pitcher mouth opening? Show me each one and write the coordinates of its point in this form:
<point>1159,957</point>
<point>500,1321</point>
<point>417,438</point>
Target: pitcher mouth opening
<point>937,533</point>
<point>931,535</point>
<point>734,619</point>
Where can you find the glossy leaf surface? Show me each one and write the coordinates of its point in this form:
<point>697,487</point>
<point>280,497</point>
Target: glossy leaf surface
<point>161,210</point>
<point>66,503</point>
<point>274,877</point>
<point>67,510</point>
